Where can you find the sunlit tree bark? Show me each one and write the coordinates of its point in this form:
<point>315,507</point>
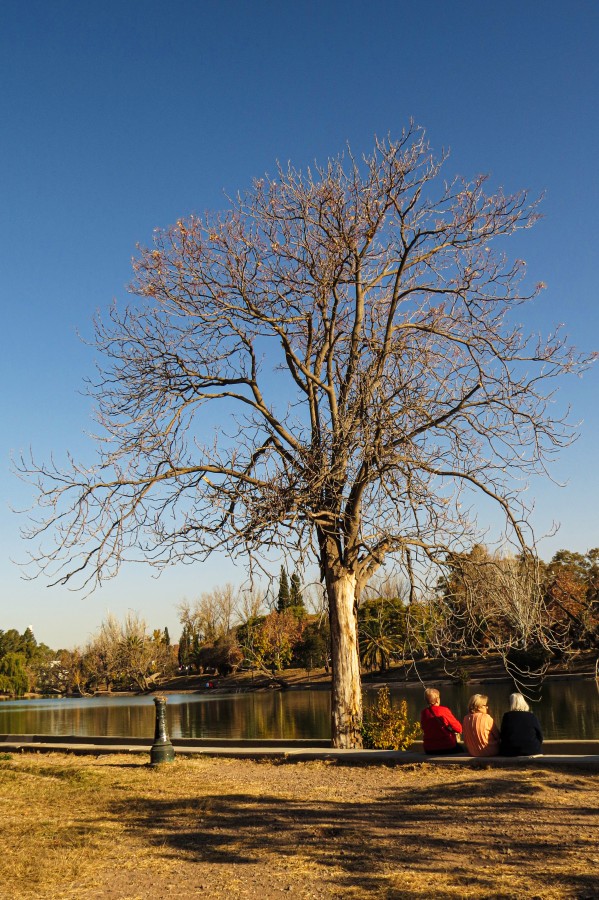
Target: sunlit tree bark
<point>331,367</point>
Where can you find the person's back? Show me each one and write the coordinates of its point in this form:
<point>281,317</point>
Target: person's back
<point>521,733</point>
<point>439,726</point>
<point>481,736</point>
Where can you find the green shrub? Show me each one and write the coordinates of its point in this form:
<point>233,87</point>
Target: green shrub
<point>462,675</point>
<point>386,728</point>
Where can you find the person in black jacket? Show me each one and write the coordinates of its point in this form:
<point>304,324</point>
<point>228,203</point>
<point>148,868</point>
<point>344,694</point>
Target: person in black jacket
<point>521,733</point>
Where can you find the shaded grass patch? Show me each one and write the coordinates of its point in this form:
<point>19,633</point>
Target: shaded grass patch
<point>115,827</point>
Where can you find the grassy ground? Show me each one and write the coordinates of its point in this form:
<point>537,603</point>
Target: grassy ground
<point>112,827</point>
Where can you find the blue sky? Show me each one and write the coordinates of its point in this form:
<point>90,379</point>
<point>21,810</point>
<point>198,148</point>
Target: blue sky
<point>121,116</point>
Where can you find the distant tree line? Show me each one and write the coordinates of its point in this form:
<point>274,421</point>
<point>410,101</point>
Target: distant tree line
<point>528,611</point>
<point>120,656</point>
<point>21,660</point>
<point>226,629</point>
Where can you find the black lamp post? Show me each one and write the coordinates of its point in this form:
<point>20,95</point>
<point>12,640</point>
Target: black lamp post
<point>162,749</point>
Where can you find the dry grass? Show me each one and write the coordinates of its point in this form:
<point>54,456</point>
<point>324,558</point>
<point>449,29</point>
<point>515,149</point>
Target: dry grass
<point>112,827</point>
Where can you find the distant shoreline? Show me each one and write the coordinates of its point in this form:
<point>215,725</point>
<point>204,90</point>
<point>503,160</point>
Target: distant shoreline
<point>469,670</point>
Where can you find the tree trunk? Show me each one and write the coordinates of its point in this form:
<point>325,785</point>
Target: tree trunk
<point>346,699</point>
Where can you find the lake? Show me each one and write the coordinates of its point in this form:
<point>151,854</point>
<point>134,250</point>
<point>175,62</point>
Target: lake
<point>567,709</point>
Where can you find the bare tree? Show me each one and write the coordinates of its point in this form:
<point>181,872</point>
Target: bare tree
<point>101,664</point>
<point>252,601</point>
<point>213,615</point>
<point>349,329</point>
<point>127,653</point>
<point>494,602</point>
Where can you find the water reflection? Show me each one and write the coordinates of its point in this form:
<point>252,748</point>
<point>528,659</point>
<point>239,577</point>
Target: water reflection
<point>103,716</point>
<point>568,709</point>
<point>297,714</point>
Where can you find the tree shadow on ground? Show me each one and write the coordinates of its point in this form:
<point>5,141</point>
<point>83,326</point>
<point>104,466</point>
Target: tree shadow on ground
<point>407,843</point>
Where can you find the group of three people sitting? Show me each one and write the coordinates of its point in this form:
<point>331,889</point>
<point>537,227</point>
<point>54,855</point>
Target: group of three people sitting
<point>520,733</point>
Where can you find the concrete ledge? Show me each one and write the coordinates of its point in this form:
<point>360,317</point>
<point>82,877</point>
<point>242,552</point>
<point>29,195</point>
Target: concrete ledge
<point>550,748</point>
<point>101,740</point>
<point>559,754</point>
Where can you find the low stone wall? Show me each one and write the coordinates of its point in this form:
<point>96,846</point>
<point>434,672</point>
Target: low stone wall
<point>550,747</point>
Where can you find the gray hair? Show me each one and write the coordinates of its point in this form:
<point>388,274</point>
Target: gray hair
<point>518,703</point>
<point>432,696</point>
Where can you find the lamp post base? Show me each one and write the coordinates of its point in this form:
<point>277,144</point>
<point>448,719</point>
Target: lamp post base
<point>162,751</point>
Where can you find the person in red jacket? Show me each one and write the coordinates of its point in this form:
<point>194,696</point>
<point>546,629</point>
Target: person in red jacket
<point>439,725</point>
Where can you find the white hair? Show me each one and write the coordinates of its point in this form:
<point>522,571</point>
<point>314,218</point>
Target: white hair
<point>518,703</point>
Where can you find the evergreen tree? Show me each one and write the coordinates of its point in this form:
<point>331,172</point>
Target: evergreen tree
<point>10,642</point>
<point>314,649</point>
<point>184,647</point>
<point>28,644</point>
<point>167,638</point>
<point>284,598</point>
<point>296,600</point>
<point>196,649</point>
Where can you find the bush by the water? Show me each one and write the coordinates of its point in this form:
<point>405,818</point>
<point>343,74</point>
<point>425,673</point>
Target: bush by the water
<point>386,728</point>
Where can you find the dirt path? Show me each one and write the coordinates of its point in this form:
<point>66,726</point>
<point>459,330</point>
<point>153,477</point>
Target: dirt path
<point>219,829</point>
